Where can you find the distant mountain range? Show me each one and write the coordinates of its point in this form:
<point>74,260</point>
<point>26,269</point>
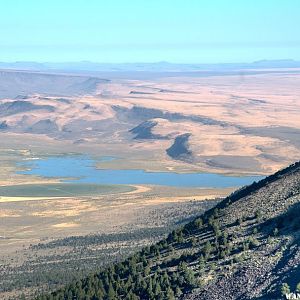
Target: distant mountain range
<point>146,67</point>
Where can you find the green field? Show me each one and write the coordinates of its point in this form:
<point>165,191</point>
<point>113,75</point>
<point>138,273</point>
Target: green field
<point>61,190</point>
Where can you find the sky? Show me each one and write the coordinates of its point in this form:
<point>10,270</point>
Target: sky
<point>121,31</point>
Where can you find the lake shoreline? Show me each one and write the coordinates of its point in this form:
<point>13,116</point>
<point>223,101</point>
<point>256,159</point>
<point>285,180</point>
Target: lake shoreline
<point>83,169</point>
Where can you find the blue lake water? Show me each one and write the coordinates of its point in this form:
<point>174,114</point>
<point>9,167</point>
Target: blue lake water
<point>82,169</point>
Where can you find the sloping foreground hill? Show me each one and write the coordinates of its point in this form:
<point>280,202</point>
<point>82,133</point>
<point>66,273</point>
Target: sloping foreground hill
<point>247,247</point>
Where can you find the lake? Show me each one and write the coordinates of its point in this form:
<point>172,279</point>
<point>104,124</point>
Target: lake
<point>82,169</point>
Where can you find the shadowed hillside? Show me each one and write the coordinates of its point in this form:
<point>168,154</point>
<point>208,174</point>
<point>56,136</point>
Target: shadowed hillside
<point>247,247</point>
<point>15,83</point>
<point>180,148</point>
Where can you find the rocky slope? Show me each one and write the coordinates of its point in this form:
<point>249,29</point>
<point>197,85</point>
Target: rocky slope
<point>266,223</point>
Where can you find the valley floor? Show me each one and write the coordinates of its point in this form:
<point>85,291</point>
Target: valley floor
<point>239,124</point>
<point>38,241</point>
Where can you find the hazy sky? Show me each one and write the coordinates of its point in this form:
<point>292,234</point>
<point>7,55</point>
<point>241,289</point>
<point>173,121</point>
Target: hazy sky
<point>149,30</point>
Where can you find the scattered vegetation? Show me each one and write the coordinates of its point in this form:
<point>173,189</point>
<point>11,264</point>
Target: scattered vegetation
<point>194,258</point>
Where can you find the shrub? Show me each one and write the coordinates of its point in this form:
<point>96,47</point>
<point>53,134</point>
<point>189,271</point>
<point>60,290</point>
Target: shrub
<point>285,289</point>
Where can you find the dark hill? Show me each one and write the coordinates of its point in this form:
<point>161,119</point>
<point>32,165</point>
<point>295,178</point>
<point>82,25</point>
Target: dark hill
<point>180,148</point>
<point>247,247</point>
<point>43,127</point>
<point>144,131</point>
<point>19,106</point>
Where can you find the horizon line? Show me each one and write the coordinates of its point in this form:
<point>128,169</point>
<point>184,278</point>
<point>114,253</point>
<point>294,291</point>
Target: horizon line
<point>153,62</point>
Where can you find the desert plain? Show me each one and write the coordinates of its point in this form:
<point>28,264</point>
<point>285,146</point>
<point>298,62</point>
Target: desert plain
<point>239,124</point>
